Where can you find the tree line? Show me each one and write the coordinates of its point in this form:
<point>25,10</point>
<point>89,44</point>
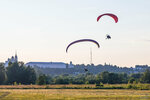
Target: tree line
<point>95,69</point>
<point>18,73</point>
<point>101,78</point>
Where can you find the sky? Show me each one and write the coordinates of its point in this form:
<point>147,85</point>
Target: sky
<point>40,30</point>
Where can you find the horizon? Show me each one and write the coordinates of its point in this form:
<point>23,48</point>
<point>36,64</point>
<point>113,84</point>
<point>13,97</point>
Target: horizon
<point>77,63</point>
<point>40,30</point>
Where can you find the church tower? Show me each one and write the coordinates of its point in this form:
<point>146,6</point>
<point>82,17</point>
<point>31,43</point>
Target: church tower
<point>16,57</point>
<point>12,60</point>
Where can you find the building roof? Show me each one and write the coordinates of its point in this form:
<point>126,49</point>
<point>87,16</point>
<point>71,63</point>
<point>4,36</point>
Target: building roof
<point>45,63</point>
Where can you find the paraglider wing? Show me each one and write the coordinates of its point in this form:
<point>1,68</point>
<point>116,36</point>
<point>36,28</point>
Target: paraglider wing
<point>85,69</point>
<point>108,14</point>
<point>82,40</point>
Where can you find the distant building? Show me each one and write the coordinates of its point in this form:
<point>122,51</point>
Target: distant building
<point>12,60</point>
<point>50,64</point>
<point>139,67</point>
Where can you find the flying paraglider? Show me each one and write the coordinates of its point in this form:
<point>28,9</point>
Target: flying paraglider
<point>85,69</point>
<point>108,36</point>
<point>108,14</point>
<point>83,40</point>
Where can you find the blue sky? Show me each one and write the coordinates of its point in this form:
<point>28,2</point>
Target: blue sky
<point>40,30</point>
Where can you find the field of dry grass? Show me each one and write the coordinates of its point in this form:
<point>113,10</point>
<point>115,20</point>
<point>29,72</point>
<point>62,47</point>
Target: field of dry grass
<point>83,86</point>
<point>42,86</point>
<point>73,94</point>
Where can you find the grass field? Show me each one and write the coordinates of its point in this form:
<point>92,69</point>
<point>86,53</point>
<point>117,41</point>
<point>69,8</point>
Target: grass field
<point>81,86</point>
<point>73,94</point>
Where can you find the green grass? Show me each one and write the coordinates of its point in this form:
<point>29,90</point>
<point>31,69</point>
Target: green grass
<point>74,94</point>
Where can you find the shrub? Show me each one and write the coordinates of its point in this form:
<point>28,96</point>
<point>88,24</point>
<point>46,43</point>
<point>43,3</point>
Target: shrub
<point>15,83</point>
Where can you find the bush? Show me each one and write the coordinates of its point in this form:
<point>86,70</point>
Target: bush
<point>15,83</point>
<point>41,80</point>
<point>100,84</point>
<point>132,86</point>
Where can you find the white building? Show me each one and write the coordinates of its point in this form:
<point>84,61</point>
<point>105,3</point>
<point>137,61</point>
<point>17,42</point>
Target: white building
<point>50,64</point>
<point>12,60</point>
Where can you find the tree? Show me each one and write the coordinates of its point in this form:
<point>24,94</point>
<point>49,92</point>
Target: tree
<point>104,76</point>
<point>98,78</point>
<point>79,79</point>
<point>62,79</point>
<point>123,78</point>
<point>146,76</point>
<point>135,77</point>
<point>13,73</point>
<point>49,80</point>
<point>18,72</point>
<point>2,74</point>
<point>113,78</point>
<point>131,80</point>
<point>90,79</point>
<point>41,80</point>
<point>29,75</point>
